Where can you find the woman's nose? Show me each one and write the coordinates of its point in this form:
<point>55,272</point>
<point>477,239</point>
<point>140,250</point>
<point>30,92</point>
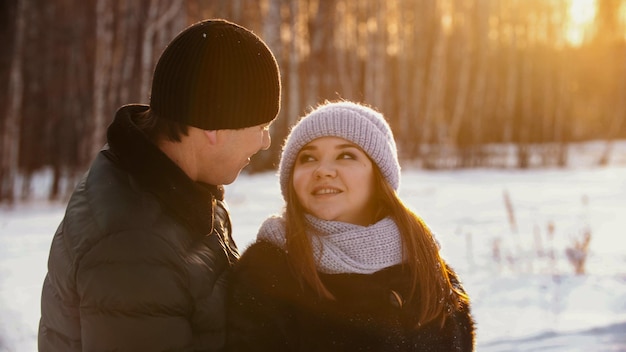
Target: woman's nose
<point>325,170</point>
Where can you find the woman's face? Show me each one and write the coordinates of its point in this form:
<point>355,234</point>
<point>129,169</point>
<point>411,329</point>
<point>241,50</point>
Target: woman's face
<point>334,180</point>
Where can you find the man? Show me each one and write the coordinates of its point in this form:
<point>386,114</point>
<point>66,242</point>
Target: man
<point>140,260</point>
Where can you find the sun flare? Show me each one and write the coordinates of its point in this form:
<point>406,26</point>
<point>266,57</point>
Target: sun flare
<point>581,15</point>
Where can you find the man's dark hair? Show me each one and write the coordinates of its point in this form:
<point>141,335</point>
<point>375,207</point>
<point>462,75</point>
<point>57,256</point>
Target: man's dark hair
<point>158,128</point>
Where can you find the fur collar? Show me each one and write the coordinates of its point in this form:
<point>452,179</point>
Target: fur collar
<point>193,203</point>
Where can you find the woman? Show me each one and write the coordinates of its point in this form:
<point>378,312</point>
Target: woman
<point>347,266</point>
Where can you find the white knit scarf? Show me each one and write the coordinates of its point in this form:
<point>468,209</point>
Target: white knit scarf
<point>341,247</point>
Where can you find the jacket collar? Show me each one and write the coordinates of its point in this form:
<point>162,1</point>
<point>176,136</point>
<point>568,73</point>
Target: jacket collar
<point>191,202</point>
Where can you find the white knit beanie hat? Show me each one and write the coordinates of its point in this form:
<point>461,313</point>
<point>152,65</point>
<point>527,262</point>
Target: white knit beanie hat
<point>356,123</point>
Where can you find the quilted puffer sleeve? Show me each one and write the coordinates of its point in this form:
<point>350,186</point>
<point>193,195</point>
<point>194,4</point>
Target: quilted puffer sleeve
<point>133,296</point>
<point>258,313</point>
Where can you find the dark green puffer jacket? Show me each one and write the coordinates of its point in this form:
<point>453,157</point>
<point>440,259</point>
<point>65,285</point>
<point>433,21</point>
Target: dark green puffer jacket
<point>140,260</point>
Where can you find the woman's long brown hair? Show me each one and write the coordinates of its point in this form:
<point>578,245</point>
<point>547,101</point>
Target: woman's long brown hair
<point>430,279</point>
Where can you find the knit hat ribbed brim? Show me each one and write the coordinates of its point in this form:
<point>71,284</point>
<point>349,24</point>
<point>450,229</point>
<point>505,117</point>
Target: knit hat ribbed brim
<point>216,75</point>
<point>356,123</point>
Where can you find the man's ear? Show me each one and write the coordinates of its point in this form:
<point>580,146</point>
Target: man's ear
<point>211,135</point>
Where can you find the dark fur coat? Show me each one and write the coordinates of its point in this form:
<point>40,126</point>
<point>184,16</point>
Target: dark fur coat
<point>270,311</point>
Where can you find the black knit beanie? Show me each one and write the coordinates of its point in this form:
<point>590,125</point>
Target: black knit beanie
<point>216,75</point>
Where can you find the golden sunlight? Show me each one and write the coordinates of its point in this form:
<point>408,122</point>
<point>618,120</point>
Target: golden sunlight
<point>580,17</point>
<point>622,18</point>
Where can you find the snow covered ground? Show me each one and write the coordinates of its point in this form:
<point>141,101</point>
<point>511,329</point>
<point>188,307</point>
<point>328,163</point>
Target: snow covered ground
<point>512,259</point>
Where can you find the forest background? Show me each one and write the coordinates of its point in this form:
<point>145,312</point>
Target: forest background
<point>463,83</point>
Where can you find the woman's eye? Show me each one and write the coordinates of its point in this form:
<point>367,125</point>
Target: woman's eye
<point>346,155</point>
<point>304,158</point>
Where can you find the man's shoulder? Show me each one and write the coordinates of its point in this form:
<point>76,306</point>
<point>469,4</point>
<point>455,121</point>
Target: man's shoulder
<point>106,201</point>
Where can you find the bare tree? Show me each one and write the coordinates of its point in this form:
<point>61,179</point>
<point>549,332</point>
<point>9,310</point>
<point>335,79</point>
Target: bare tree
<point>608,35</point>
<point>11,129</point>
<point>452,76</point>
<point>510,86</point>
<point>271,35</point>
<point>375,69</point>
<point>347,57</point>
<point>320,61</point>
<point>160,15</point>
<point>434,106</point>
<point>477,110</point>
<point>464,56</point>
<point>293,65</point>
<point>102,72</point>
<point>421,19</point>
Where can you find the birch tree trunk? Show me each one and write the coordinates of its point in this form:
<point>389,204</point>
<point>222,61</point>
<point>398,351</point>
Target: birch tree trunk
<point>511,77</point>
<point>102,72</point>
<point>375,62</point>
<point>435,94</point>
<point>271,35</point>
<point>126,79</point>
<point>465,59</point>
<point>416,70</point>
<point>348,55</point>
<point>271,30</point>
<point>11,129</point>
<point>160,14</point>
<point>77,104</point>
<point>479,89</point>
<point>293,68</point>
<point>561,111</point>
<point>321,62</point>
<point>610,35</point>
<point>404,93</point>
<point>526,103</point>
<point>316,60</point>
